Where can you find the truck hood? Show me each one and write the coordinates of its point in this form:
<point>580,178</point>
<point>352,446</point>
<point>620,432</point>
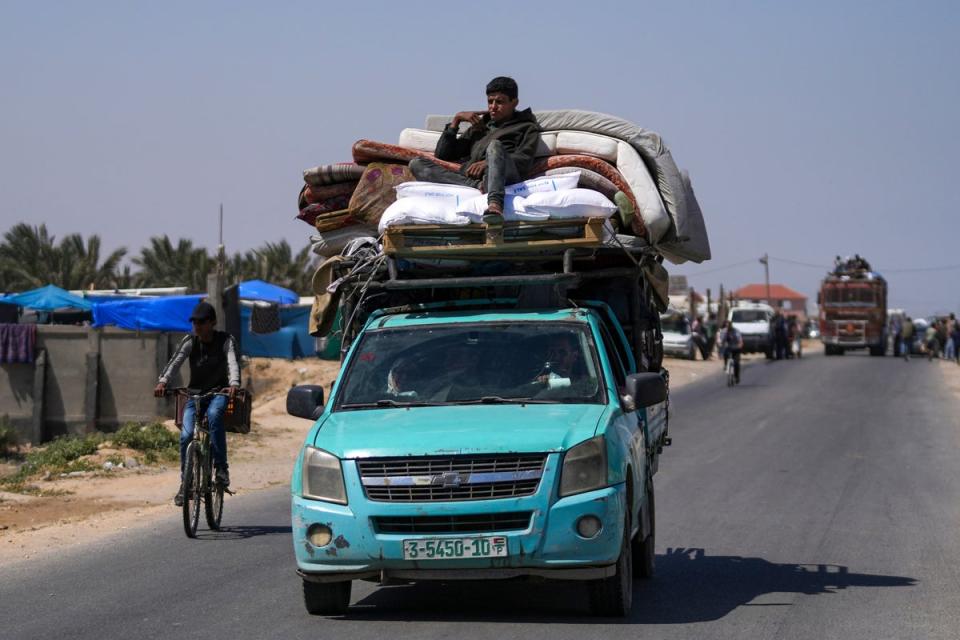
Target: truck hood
<point>463,429</point>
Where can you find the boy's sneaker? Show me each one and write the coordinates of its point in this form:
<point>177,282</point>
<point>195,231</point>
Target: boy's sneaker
<point>222,478</point>
<point>178,499</point>
<point>493,215</point>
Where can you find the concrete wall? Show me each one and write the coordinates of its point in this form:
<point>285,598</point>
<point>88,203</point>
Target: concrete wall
<point>86,379</point>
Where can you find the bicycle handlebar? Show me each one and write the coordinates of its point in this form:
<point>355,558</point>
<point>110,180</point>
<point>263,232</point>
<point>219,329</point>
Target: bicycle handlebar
<point>185,391</point>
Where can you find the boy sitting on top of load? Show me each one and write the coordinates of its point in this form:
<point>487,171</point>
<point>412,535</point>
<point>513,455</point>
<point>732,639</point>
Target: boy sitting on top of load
<point>496,150</point>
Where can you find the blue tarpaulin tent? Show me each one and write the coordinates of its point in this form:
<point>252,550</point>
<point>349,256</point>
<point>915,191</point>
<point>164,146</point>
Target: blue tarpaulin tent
<point>260,290</point>
<point>169,313</point>
<point>48,298</point>
<point>293,340</point>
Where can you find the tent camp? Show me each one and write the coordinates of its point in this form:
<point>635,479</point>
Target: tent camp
<point>48,298</point>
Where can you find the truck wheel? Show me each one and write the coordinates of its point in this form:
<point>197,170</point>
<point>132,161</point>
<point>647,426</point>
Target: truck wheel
<point>326,598</point>
<point>613,596</point>
<point>877,351</point>
<point>644,556</point>
<point>692,352</point>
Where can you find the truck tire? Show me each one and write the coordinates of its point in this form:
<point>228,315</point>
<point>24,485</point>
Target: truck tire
<point>613,597</point>
<point>326,598</point>
<point>692,352</point>
<point>877,351</point>
<point>644,554</point>
<point>828,350</point>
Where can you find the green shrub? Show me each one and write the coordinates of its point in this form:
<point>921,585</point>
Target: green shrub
<point>152,437</point>
<point>56,456</point>
<point>60,456</point>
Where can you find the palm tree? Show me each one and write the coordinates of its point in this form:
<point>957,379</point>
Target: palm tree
<point>275,263</point>
<point>81,264</point>
<point>29,258</point>
<point>164,265</point>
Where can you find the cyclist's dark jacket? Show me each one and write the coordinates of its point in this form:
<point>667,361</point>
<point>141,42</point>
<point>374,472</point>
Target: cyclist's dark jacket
<point>213,365</point>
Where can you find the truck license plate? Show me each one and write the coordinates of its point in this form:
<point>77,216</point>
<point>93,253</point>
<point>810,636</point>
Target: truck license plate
<point>452,548</point>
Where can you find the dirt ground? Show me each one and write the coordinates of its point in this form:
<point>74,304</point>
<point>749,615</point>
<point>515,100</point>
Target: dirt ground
<point>101,503</point>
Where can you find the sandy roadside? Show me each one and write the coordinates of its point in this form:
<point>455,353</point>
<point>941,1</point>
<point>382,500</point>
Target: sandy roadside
<point>82,509</point>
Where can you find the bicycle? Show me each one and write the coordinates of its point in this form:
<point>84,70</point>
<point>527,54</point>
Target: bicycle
<point>199,484</point>
<point>730,370</point>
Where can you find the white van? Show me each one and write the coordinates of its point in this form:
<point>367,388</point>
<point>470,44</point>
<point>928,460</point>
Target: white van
<point>752,320</point>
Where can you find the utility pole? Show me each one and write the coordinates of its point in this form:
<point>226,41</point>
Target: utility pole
<point>765,260</point>
<point>215,280</point>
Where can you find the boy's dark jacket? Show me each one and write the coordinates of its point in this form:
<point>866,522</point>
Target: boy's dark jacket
<point>519,136</point>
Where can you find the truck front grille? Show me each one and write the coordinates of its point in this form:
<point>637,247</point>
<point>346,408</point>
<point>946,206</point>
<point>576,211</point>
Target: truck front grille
<point>449,478</point>
<point>472,523</point>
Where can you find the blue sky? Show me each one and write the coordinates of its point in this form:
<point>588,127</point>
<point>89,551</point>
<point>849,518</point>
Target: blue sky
<point>809,129</point>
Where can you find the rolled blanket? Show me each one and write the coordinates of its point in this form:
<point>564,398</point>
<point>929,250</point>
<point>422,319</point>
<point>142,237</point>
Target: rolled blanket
<point>329,174</point>
<point>369,151</point>
<point>311,212</point>
<point>315,195</point>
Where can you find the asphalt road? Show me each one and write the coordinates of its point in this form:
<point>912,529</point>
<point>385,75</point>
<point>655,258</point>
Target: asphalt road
<point>816,500</point>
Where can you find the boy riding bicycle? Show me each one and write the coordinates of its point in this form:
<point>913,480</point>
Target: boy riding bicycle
<point>730,342</point>
<point>213,365</point>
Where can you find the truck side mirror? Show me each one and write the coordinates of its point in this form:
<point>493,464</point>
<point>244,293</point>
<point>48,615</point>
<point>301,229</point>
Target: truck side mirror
<point>305,401</point>
<point>646,389</point>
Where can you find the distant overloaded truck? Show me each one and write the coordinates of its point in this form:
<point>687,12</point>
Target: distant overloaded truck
<point>853,309</point>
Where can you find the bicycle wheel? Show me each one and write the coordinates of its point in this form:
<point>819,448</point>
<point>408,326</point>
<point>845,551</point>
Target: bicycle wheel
<point>213,500</point>
<point>192,488</point>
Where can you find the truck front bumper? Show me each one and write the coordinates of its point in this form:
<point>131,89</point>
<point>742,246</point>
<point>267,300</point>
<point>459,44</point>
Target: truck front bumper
<point>549,546</point>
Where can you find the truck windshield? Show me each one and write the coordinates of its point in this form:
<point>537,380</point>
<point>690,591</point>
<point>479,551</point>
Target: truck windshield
<point>849,296</point>
<point>749,315</point>
<point>495,363</point>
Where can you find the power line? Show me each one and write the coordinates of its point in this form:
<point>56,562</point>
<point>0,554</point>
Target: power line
<point>950,267</point>
<point>800,264</point>
<point>723,268</point>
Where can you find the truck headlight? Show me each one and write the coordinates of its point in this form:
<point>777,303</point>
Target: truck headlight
<point>322,476</point>
<point>584,467</point>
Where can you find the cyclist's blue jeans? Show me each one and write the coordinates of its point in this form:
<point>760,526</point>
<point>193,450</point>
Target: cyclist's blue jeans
<point>218,437</point>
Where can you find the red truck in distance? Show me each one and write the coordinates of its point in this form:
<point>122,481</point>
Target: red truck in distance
<point>853,309</point>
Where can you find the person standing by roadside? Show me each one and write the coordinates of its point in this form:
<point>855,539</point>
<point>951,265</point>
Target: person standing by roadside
<point>711,334</point>
<point>906,337</point>
<point>950,349</point>
<point>699,334</point>
<point>896,328</point>
<point>955,335</point>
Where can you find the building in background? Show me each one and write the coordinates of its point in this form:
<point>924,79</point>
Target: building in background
<point>790,302</point>
<point>680,294</point>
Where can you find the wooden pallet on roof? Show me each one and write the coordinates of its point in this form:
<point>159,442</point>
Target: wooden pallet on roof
<point>486,242</point>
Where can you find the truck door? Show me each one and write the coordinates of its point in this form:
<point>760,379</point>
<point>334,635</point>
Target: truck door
<point>629,423</point>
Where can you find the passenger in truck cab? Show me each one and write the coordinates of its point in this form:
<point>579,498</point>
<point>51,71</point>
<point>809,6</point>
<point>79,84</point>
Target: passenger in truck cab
<point>497,150</point>
<point>560,360</point>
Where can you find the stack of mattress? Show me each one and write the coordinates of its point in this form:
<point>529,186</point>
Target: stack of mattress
<point>630,166</point>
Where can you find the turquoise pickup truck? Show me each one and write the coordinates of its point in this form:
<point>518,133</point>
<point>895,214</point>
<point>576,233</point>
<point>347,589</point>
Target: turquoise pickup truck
<point>484,439</point>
